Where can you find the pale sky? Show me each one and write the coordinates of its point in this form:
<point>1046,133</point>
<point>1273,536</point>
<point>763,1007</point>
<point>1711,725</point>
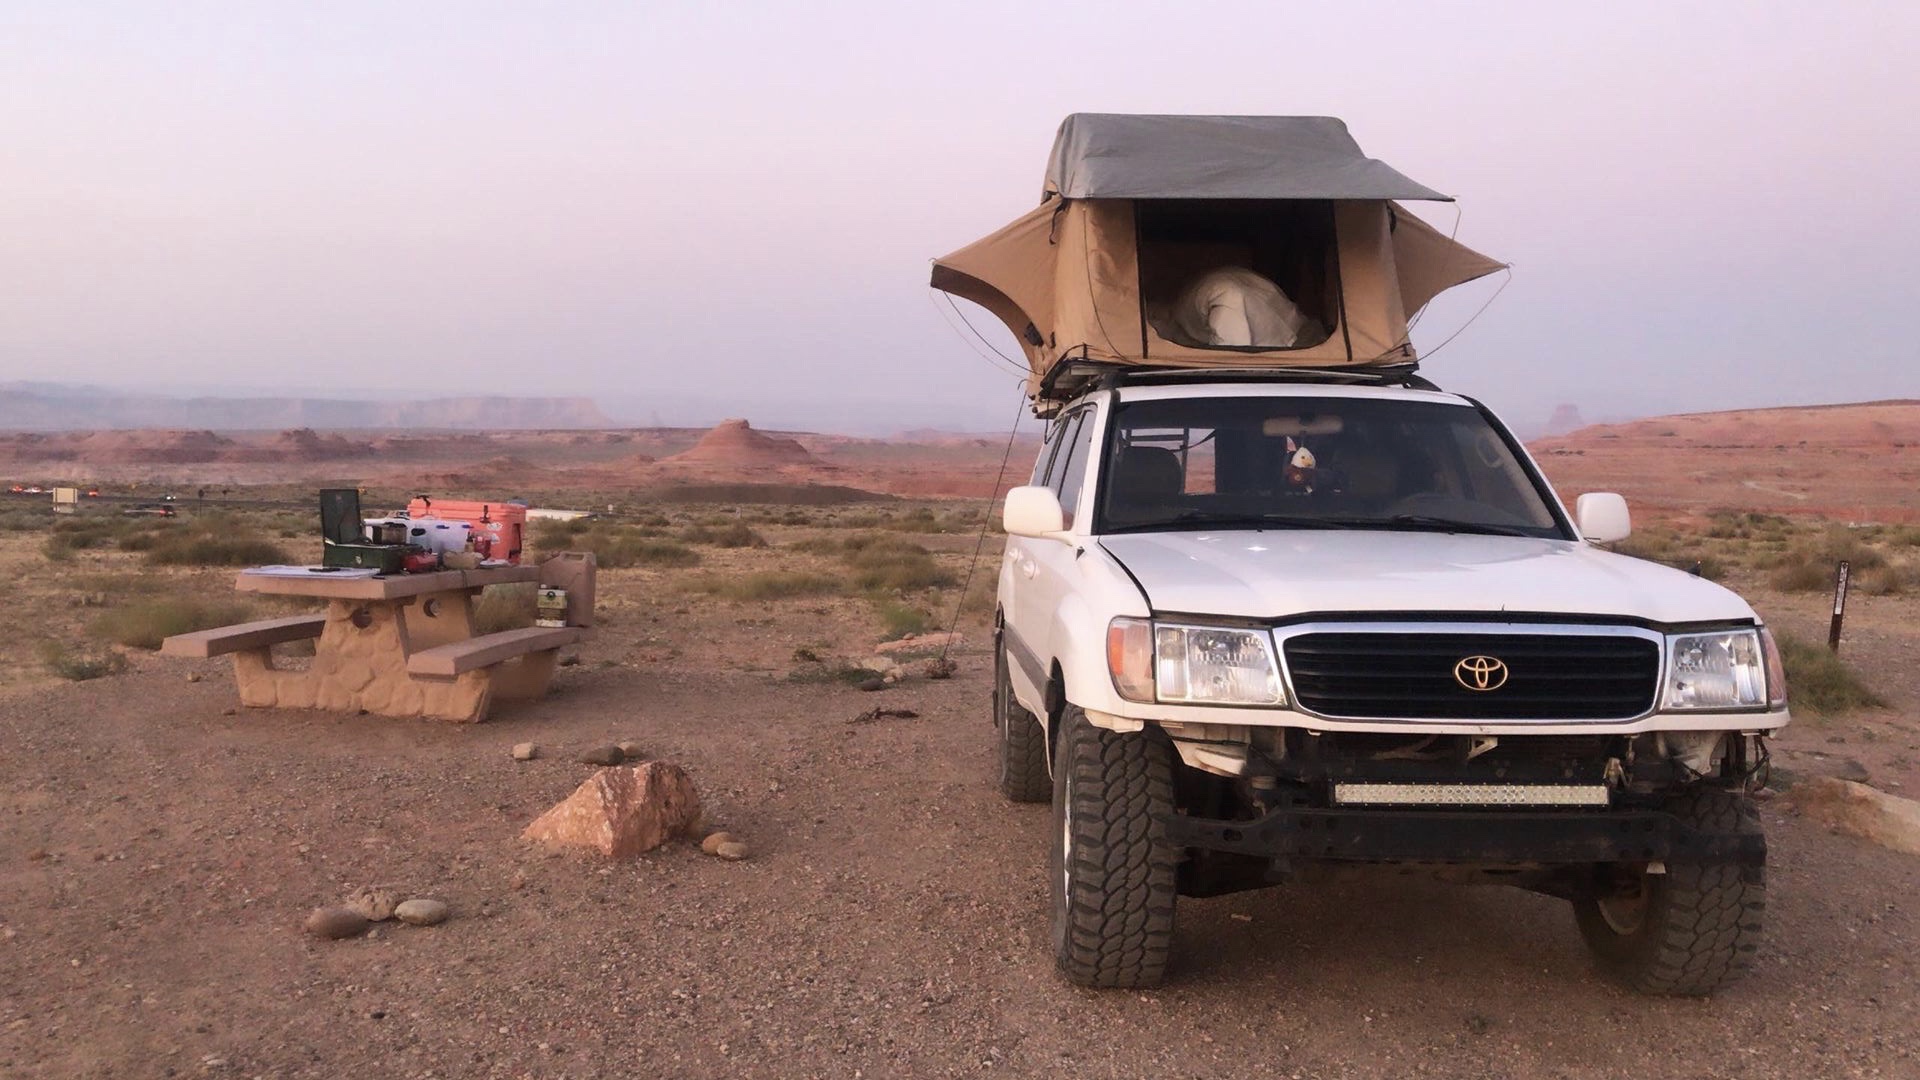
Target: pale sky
<point>698,210</point>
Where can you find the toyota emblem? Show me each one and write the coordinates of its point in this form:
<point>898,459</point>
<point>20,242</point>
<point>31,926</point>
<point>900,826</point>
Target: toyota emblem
<point>1481,673</point>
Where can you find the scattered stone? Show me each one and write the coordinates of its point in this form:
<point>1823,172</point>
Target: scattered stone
<point>732,852</point>
<point>879,665</point>
<point>870,685</point>
<point>804,655</point>
<point>1852,769</point>
<point>1858,810</point>
<point>881,712</point>
<point>525,751</point>
<point>37,854</point>
<point>421,912</point>
<point>939,667</point>
<point>631,750</point>
<point>570,660</point>
<point>603,755</point>
<point>229,711</point>
<point>621,812</point>
<point>938,639</point>
<point>713,841</point>
<point>374,903</point>
<point>334,923</point>
<point>193,676</point>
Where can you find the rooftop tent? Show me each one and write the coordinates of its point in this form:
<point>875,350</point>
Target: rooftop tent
<point>1136,206</point>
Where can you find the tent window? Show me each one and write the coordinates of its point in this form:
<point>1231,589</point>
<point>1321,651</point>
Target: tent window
<point>1239,273</point>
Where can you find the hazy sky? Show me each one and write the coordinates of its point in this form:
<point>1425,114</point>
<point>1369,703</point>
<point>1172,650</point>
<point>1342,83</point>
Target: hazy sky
<point>706,209</point>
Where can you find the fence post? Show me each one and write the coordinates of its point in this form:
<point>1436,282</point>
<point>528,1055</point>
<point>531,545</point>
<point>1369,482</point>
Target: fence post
<point>1840,575</point>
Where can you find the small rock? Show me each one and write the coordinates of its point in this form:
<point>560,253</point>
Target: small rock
<point>890,678</point>
<point>870,685</point>
<point>603,755</point>
<point>37,854</point>
<point>374,903</point>
<point>334,923</point>
<point>570,660</point>
<point>939,668</point>
<point>193,676</point>
<point>421,912</point>
<point>732,852</point>
<point>711,845</point>
<point>632,750</point>
<point>525,751</point>
<point>229,711</point>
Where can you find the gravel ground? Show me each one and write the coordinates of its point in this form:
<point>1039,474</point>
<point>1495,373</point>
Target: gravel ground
<point>159,854</point>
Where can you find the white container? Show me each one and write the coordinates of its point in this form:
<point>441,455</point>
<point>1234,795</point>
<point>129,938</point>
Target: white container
<point>435,534</point>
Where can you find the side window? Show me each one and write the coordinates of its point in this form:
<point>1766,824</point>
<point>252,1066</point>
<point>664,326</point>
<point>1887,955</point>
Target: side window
<point>1062,447</point>
<point>1073,473</point>
<point>1049,442</point>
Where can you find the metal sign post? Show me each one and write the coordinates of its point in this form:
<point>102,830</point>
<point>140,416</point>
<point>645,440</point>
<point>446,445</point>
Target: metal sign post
<point>1840,575</point>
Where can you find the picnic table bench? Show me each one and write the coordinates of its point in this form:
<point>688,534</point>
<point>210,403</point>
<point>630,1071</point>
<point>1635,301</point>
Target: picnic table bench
<point>398,645</point>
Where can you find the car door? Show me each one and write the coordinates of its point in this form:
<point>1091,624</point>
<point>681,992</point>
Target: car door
<point>1051,575</point>
<point>1017,568</point>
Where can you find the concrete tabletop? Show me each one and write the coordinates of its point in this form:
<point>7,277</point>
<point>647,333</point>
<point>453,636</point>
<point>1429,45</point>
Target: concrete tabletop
<point>389,587</point>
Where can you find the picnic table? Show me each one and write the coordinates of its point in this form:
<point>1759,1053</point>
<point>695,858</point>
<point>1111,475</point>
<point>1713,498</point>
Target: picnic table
<point>398,644</point>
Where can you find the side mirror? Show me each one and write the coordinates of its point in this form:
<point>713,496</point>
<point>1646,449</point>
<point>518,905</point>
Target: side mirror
<point>1033,510</point>
<point>1602,517</point>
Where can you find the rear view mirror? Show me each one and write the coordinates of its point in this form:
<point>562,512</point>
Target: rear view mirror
<point>1602,517</point>
<point>1034,511</point>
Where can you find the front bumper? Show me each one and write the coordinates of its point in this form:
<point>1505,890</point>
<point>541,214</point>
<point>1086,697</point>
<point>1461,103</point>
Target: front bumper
<point>1467,837</point>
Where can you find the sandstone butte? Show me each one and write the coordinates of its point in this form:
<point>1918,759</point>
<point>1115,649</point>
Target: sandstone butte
<point>621,812</point>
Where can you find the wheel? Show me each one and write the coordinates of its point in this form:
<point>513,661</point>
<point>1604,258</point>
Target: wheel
<point>1023,742</point>
<point>1112,868</point>
<point>1692,929</point>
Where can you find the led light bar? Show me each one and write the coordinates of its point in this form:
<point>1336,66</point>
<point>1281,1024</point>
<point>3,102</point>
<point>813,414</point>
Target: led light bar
<point>1470,794</point>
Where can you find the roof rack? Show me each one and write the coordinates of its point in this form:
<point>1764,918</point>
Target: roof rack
<point>1070,379</point>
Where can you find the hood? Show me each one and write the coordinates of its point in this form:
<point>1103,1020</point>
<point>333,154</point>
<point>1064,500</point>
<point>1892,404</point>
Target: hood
<point>1280,573</point>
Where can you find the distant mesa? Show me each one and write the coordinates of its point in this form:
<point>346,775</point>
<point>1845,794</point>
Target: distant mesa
<point>735,443</point>
<point>1565,418</point>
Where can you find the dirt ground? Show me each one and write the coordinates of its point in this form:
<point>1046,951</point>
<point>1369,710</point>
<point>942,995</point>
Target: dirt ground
<point>160,849</point>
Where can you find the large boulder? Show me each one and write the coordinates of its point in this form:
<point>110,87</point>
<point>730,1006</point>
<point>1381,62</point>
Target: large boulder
<point>1858,810</point>
<point>622,811</point>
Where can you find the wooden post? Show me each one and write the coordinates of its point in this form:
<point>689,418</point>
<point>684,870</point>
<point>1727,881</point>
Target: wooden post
<point>1840,574</point>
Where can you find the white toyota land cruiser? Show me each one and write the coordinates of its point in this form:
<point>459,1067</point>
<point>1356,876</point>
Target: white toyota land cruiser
<point>1264,625</point>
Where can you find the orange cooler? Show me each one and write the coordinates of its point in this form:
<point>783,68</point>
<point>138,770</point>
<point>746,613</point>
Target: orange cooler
<point>499,529</point>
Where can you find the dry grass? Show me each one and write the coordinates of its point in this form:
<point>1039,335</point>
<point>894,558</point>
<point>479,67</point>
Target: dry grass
<point>506,607</point>
<point>769,585</point>
<point>614,546</point>
<point>79,667</point>
<point>732,534</point>
<point>144,625</point>
<point>899,619</point>
<point>1819,681</point>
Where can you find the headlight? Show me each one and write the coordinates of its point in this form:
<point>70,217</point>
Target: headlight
<point>1719,670</point>
<point>1185,664</point>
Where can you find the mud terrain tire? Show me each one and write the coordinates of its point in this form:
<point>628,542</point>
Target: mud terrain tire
<point>1112,868</point>
<point>1692,929</point>
<point>1023,742</point>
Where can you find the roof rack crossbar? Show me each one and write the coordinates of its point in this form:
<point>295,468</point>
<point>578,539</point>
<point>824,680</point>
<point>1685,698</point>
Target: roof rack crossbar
<point>1071,378</point>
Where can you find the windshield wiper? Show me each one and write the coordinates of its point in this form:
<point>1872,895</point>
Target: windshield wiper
<point>1246,521</point>
<point>1428,522</point>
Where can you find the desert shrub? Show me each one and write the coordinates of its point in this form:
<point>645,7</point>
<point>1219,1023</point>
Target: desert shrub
<point>79,667</point>
<point>615,546</point>
<point>506,607</point>
<point>1819,681</point>
<point>635,550</point>
<point>731,534</point>
<point>900,619</point>
<point>769,585</point>
<point>23,520</point>
<point>1809,566</point>
<point>200,549</point>
<point>145,624</point>
<point>887,563</point>
<point>881,562</point>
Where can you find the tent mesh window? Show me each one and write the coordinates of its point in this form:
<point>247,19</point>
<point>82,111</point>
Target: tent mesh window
<point>1288,242</point>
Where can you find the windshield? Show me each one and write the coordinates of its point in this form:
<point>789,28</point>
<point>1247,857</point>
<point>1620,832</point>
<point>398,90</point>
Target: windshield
<point>1315,463</point>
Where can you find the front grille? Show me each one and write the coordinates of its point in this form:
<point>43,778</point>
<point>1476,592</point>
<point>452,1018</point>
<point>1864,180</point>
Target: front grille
<point>1378,675</point>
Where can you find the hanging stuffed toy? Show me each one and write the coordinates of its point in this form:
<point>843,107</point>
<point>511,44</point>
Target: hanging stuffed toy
<point>1299,472</point>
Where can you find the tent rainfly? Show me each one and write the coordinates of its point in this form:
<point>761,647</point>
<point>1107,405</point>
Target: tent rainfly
<point>1136,207</point>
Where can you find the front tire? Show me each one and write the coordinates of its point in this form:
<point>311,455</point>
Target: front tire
<point>1113,870</point>
<point>1693,929</point>
<point>1022,742</point>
